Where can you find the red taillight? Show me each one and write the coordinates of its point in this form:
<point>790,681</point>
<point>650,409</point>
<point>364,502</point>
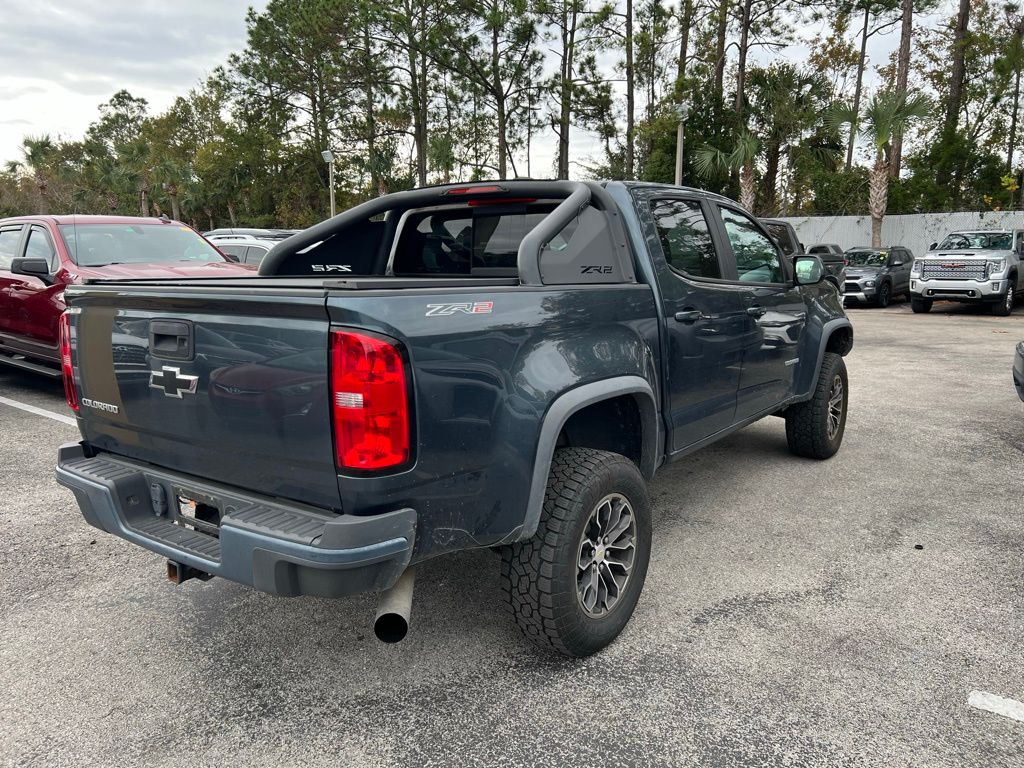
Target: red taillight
<point>369,402</point>
<point>65,362</point>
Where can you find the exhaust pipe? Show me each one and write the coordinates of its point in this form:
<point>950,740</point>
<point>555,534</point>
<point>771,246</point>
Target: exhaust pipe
<point>392,622</point>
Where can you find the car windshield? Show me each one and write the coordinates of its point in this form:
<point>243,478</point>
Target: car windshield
<point>866,258</point>
<point>96,245</point>
<point>981,241</point>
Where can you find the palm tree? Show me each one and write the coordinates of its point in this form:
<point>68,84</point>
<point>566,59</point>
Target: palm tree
<point>169,174</point>
<point>38,151</point>
<point>712,161</point>
<point>888,114</point>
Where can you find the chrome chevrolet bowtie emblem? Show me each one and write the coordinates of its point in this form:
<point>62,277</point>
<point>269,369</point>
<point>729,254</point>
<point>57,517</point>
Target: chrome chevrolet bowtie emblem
<point>173,382</point>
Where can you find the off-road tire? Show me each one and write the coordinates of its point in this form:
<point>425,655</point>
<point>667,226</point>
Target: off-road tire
<point>807,423</point>
<point>920,305</point>
<point>539,576</point>
<point>1004,306</point>
<point>884,295</point>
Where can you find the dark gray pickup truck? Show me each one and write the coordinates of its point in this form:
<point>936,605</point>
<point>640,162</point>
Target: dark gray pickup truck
<point>501,365</point>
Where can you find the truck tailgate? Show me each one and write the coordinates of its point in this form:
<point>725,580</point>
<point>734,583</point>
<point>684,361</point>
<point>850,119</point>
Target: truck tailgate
<point>230,385</point>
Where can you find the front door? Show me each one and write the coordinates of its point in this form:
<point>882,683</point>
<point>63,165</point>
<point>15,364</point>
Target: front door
<point>10,247</point>
<point>38,302</point>
<point>704,321</point>
<point>775,314</point>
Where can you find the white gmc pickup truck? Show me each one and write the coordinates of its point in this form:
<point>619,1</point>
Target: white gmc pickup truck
<point>977,266</point>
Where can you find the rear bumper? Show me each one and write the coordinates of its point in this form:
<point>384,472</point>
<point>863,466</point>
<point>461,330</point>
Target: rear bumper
<point>262,542</point>
<point>959,290</point>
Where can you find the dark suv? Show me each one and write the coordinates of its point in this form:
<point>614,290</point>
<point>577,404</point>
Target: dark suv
<point>875,275</point>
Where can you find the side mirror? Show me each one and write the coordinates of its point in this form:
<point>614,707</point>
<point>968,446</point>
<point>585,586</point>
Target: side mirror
<point>809,269</point>
<point>897,263</point>
<point>32,267</point>
<point>933,246</point>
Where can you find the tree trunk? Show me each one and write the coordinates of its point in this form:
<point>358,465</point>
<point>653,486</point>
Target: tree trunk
<point>499,101</point>
<point>748,192</point>
<point>902,72</point>
<point>856,92</point>
<point>369,104</point>
<point>722,27</point>
<point>878,198</point>
<point>231,213</point>
<point>741,64</point>
<point>569,19</point>
<point>684,42</point>
<point>43,208</point>
<point>956,91</point>
<point>172,193</point>
<point>773,156</point>
<point>630,93</point>
<point>144,200</point>
<point>1013,122</point>
<point>209,216</point>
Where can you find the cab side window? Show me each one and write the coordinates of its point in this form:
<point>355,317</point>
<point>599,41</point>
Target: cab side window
<point>9,239</point>
<point>757,257</point>
<point>686,238</point>
<point>40,247</point>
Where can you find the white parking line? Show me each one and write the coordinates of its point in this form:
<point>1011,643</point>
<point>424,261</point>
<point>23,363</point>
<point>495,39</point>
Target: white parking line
<point>39,411</point>
<point>989,702</point>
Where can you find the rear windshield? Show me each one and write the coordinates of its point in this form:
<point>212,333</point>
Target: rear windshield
<point>983,241</point>
<point>467,242</point>
<point>96,245</point>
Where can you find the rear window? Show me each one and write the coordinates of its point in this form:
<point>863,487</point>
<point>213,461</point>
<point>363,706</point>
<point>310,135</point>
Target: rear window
<point>467,242</point>
<point>96,245</point>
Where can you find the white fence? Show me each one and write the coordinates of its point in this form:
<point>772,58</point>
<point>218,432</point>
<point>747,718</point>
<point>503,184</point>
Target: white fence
<point>915,231</point>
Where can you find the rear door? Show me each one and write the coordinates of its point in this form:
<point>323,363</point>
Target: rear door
<point>774,308</point>
<point>228,383</point>
<point>900,261</point>
<point>704,319</point>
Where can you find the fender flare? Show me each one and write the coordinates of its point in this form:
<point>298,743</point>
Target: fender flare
<point>827,331</point>
<point>558,413</point>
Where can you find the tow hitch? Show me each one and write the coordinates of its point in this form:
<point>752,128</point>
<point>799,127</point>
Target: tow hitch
<point>179,572</point>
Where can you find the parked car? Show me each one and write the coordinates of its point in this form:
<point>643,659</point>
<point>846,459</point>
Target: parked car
<point>1018,370</point>
<point>834,259</point>
<point>973,267</point>
<point>504,365</point>
<point>40,256</point>
<point>263,234</point>
<point>875,275</point>
<point>784,234</point>
<point>245,250</point>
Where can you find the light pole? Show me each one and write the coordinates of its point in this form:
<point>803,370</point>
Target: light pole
<point>683,110</point>
<point>328,157</point>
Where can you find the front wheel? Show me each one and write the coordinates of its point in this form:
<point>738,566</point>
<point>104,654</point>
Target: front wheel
<point>1004,306</point>
<point>884,295</point>
<point>573,586</point>
<point>920,305</point>
<point>814,428</point>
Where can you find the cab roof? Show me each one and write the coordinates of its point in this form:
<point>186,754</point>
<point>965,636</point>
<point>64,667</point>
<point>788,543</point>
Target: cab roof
<point>86,219</point>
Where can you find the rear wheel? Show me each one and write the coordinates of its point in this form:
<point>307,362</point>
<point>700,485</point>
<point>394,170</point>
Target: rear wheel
<point>1004,306</point>
<point>814,428</point>
<point>573,586</point>
<point>920,305</point>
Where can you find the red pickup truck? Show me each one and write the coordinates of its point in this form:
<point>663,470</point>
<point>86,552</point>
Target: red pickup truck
<point>41,255</point>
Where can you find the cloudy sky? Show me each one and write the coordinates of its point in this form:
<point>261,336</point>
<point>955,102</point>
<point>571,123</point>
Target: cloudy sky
<point>61,59</point>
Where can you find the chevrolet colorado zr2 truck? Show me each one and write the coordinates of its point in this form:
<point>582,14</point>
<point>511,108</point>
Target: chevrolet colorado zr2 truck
<point>499,365</point>
<point>975,267</point>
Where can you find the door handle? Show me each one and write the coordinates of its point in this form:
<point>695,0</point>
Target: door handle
<point>756,311</point>
<point>689,316</point>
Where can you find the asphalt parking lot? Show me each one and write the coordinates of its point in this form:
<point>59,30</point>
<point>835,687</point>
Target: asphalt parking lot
<point>796,613</point>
